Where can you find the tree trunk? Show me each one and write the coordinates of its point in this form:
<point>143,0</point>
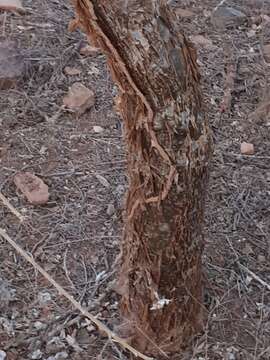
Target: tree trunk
<point>168,144</point>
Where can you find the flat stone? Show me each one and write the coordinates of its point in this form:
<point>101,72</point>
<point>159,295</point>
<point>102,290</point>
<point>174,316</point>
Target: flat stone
<point>228,17</point>
<point>12,65</point>
<point>79,98</point>
<point>98,129</point>
<point>247,148</point>
<point>32,187</point>
<point>71,71</point>
<point>12,5</point>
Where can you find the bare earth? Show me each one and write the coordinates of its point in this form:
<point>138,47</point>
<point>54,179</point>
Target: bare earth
<point>76,235</point>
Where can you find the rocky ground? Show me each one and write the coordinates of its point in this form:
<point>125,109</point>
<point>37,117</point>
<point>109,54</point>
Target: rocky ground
<point>75,150</point>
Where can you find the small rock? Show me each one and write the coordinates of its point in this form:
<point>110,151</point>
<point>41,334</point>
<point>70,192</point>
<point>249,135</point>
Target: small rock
<point>251,33</point>
<point>12,65</point>
<point>183,13</point>
<point>79,98</point>
<point>266,18</point>
<point>36,355</point>
<point>98,129</point>
<point>88,50</point>
<point>61,355</point>
<point>39,325</point>
<point>71,71</point>
<point>43,150</point>
<point>201,40</point>
<point>44,298</point>
<point>247,148</point>
<point>3,355</point>
<point>261,258</point>
<point>12,5</point>
<point>228,17</point>
<point>35,190</point>
<point>266,53</point>
<point>110,209</point>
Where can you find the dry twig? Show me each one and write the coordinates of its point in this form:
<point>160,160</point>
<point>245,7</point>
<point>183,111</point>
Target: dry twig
<point>256,277</point>
<point>11,207</point>
<point>111,335</point>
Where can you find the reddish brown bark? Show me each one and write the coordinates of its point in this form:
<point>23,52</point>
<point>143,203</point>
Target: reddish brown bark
<point>168,144</point>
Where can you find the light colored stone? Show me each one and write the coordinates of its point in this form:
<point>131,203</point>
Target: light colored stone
<point>88,50</point>
<point>247,148</point>
<point>201,41</point>
<point>110,210</point>
<point>79,98</point>
<point>12,5</point>
<point>261,258</point>
<point>32,187</point>
<point>98,129</point>
<point>12,65</point>
<point>72,71</point>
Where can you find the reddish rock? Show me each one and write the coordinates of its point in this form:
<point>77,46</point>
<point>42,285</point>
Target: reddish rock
<point>79,98</point>
<point>32,187</point>
<point>247,148</point>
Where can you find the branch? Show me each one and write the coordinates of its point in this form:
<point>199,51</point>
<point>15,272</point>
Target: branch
<point>11,208</point>
<point>111,335</point>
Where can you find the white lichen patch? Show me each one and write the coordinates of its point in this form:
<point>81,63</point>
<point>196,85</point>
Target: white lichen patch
<point>160,303</point>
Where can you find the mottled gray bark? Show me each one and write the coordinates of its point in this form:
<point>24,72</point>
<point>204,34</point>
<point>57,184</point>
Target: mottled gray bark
<point>168,144</point>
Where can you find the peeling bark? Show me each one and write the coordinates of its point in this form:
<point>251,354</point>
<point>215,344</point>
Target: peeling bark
<point>169,145</point>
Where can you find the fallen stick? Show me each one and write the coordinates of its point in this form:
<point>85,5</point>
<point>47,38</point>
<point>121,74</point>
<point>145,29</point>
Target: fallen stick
<point>11,207</point>
<point>255,277</point>
<point>111,335</point>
